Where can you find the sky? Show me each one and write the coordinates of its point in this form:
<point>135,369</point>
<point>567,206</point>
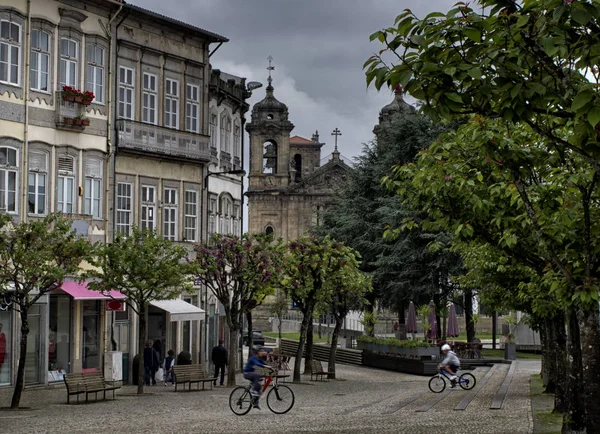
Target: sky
<point>318,49</point>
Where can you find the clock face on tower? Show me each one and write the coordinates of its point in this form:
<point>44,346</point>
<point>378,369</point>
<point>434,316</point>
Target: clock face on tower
<point>270,181</point>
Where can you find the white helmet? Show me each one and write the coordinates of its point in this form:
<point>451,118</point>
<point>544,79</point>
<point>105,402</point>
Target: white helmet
<point>445,347</point>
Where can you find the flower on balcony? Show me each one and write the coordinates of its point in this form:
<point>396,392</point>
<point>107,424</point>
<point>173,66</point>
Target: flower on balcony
<point>69,93</point>
<point>88,97</point>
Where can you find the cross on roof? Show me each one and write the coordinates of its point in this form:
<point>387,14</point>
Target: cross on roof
<point>270,68</point>
<point>336,133</point>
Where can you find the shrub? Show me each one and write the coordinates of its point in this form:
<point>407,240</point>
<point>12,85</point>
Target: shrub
<point>391,342</point>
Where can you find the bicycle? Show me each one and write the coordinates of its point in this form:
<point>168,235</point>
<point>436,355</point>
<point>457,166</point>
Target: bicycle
<point>437,383</point>
<point>280,398</point>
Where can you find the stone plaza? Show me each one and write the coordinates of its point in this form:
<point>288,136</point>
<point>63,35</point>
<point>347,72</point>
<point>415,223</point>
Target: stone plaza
<point>362,400</point>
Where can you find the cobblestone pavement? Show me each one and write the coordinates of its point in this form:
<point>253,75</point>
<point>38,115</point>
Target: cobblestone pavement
<point>363,401</point>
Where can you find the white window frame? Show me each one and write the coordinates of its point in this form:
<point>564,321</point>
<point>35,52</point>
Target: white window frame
<point>212,216</point>
<point>41,54</point>
<point>190,218</point>
<point>225,221</point>
<point>69,64</point>
<point>237,140</point>
<point>11,46</point>
<point>39,176</point>
<point>126,93</point>
<point>214,119</point>
<point>171,114</point>
<point>170,214</point>
<point>6,170</point>
<point>95,72</point>
<point>93,188</point>
<point>236,219</point>
<point>192,108</point>
<point>64,201</point>
<point>124,208</point>
<point>148,207</point>
<point>150,94</point>
<point>226,133</point>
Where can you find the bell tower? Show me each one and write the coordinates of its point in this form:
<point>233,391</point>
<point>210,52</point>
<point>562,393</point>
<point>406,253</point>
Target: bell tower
<point>269,132</point>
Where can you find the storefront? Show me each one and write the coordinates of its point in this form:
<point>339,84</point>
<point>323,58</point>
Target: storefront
<point>6,341</point>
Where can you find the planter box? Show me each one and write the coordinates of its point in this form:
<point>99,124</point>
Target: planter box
<point>409,353</point>
<point>510,351</point>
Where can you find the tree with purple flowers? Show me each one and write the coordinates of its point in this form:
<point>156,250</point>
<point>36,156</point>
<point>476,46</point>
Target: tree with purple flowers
<point>240,273</point>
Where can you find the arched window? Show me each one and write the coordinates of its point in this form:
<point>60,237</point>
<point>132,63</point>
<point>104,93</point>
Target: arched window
<point>270,157</point>
<point>298,167</point>
<point>226,208</point>
<point>226,134</point>
<point>269,230</point>
<point>9,179</point>
<point>214,118</point>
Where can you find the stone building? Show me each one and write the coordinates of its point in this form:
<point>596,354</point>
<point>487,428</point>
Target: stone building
<point>289,183</point>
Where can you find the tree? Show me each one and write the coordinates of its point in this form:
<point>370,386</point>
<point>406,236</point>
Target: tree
<point>535,63</point>
<point>35,258</point>
<point>144,267</point>
<point>279,308</point>
<point>236,270</point>
<point>348,288</point>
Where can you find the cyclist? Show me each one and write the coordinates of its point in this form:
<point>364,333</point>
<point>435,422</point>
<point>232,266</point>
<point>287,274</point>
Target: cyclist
<point>257,360</point>
<point>450,364</point>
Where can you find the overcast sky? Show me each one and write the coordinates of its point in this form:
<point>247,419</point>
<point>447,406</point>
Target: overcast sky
<point>318,47</point>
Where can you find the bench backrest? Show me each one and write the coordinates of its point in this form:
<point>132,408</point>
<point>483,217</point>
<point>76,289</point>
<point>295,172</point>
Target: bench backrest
<point>84,381</point>
<point>316,366</point>
<point>189,372</point>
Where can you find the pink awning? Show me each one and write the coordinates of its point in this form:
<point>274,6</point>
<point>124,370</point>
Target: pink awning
<point>80,291</point>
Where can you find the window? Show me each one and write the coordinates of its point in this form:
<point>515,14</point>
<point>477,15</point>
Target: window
<point>237,142</point>
<point>148,208</point>
<point>269,230</point>
<point>192,108</point>
<point>171,103</point>
<point>225,223</point>
<point>9,170</point>
<point>170,214</point>
<point>95,72</point>
<point>40,60</point>
<point>93,186</point>
<point>68,62</point>
<point>213,130</point>
<point>191,215</point>
<point>124,208</point>
<point>10,52</point>
<point>236,220</point>
<point>212,207</point>
<point>149,96</point>
<point>225,133</point>
<point>126,93</point>
<point>66,183</point>
<point>38,171</point>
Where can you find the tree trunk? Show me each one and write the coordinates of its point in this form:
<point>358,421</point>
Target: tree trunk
<point>333,348</point>
<point>574,417</point>
<point>233,345</point>
<point>546,356</point>
<point>299,352</point>
<point>444,327</point>
<point>20,383</point>
<point>279,323</point>
<point>250,331</point>
<point>309,347</point>
<point>470,325</point>
<point>590,358</point>
<point>141,346</point>
<point>560,361</point>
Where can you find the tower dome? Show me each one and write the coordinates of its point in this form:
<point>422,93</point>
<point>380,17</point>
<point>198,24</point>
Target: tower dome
<point>398,105</point>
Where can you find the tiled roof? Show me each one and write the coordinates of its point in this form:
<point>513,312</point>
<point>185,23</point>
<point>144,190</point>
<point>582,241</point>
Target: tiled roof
<point>298,139</point>
<point>213,37</point>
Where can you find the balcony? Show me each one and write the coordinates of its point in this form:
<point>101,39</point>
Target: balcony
<point>147,138</point>
<point>67,112</point>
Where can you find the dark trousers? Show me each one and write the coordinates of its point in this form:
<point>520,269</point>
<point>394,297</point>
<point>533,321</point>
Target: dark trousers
<point>220,367</point>
<point>149,375</point>
<point>255,378</point>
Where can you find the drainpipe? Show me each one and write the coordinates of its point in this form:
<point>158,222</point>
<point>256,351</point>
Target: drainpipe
<point>24,158</point>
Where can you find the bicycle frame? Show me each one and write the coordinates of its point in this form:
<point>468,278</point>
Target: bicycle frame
<point>444,373</point>
<point>268,381</point>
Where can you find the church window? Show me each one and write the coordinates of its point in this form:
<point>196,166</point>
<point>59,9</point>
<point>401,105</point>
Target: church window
<point>269,230</point>
<point>270,117</point>
<point>269,157</point>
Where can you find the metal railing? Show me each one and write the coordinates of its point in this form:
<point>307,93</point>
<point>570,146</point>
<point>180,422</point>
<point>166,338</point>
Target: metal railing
<point>164,141</point>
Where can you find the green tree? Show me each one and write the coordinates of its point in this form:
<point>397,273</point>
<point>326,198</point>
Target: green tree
<point>144,267</point>
<point>35,258</point>
<point>237,271</point>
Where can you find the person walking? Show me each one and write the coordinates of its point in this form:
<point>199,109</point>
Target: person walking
<point>150,363</point>
<point>219,358</point>
<point>168,367</point>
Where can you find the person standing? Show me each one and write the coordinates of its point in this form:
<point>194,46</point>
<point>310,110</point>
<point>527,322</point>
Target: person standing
<point>219,358</point>
<point>150,363</point>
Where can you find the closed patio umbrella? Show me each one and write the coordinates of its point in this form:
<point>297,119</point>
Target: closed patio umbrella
<point>452,331</point>
<point>411,321</point>
<point>432,321</point>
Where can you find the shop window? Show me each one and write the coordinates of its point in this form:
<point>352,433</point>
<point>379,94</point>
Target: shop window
<point>59,337</point>
<point>5,344</point>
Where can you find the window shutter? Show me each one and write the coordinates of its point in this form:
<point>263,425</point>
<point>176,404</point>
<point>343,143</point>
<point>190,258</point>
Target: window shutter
<point>37,162</point>
<point>93,168</point>
<point>65,164</point>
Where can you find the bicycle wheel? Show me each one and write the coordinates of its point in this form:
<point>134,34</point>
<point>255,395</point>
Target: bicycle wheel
<point>240,400</point>
<point>467,381</point>
<point>437,384</point>
<point>280,399</point>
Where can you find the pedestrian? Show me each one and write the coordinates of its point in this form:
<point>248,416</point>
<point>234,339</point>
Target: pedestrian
<point>168,367</point>
<point>150,363</point>
<point>219,357</point>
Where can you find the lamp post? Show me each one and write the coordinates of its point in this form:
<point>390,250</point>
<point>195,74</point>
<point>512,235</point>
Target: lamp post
<point>239,172</point>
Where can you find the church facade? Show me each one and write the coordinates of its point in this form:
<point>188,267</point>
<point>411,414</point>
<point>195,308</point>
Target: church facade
<point>290,185</point>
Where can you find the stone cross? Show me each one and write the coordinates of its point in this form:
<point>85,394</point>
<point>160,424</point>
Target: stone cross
<point>336,133</point>
<point>270,68</point>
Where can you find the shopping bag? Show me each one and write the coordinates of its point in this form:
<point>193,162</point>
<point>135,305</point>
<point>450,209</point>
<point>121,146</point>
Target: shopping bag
<point>159,375</point>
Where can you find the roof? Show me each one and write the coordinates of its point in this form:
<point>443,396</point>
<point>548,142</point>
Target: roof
<point>298,139</point>
<point>213,37</point>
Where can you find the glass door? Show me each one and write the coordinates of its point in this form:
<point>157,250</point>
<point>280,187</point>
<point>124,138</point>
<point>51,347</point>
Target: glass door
<point>34,341</point>
<point>91,335</point>
<point>5,344</point>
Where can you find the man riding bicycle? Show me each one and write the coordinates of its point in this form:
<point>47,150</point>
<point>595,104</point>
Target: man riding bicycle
<point>450,364</point>
<point>257,360</point>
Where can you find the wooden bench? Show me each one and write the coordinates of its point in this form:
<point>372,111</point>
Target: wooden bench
<point>318,371</point>
<point>188,374</point>
<point>81,383</point>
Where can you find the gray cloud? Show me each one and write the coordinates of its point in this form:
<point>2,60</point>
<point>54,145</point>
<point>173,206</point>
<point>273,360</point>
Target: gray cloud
<point>319,47</point>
